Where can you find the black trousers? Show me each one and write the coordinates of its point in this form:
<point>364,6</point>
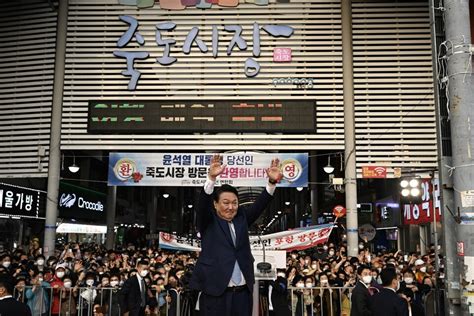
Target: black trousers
<point>238,303</point>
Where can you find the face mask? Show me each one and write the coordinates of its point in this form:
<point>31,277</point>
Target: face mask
<point>281,275</point>
<point>6,264</point>
<point>121,283</point>
<point>40,279</point>
<point>325,247</point>
<point>143,273</point>
<point>114,283</point>
<point>361,246</point>
<point>309,284</point>
<point>67,285</point>
<point>331,253</point>
<point>101,272</point>
<point>367,279</point>
<point>90,282</point>
<point>423,269</point>
<point>324,282</point>
<point>408,280</point>
<point>293,256</point>
<point>379,280</point>
<point>60,274</point>
<point>40,262</point>
<point>400,267</point>
<point>300,285</point>
<point>314,266</point>
<point>398,286</point>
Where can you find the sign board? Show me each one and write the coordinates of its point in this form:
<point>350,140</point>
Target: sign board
<point>190,169</point>
<point>282,55</point>
<point>17,201</point>
<point>66,228</point>
<point>460,248</point>
<point>422,213</point>
<point>364,208</point>
<point>367,232</point>
<point>339,211</point>
<point>81,203</point>
<point>174,117</point>
<point>467,198</point>
<point>375,172</point>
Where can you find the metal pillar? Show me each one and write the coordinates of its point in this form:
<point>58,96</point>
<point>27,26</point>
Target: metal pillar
<point>55,136</point>
<point>111,207</point>
<point>313,178</point>
<point>423,241</point>
<point>153,209</point>
<point>461,98</point>
<point>349,131</point>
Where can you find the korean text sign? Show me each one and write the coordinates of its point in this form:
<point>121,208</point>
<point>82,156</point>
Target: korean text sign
<point>289,240</point>
<point>21,201</point>
<point>190,169</point>
<point>423,213</point>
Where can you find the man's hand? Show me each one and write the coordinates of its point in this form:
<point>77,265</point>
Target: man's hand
<point>216,167</point>
<point>274,172</point>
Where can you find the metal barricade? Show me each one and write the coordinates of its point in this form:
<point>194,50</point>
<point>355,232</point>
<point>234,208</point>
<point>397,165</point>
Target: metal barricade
<point>323,301</point>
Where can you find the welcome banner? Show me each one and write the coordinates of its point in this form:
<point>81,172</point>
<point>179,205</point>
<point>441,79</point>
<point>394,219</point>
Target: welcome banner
<point>190,169</point>
<point>289,240</point>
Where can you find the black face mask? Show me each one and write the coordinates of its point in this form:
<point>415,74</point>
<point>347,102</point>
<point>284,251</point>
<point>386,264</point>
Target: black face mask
<point>24,262</point>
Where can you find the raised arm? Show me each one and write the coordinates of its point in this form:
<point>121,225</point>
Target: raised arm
<point>274,174</point>
<point>204,209</point>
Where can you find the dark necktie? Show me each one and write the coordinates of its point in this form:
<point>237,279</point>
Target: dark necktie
<point>142,292</point>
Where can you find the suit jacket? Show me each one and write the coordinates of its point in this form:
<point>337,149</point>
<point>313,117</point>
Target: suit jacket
<point>216,262</point>
<point>360,300</point>
<point>388,303</point>
<point>11,307</point>
<point>130,296</point>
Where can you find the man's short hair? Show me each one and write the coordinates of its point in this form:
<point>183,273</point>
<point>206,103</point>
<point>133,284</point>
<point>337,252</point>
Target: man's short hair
<point>362,268</point>
<point>6,281</point>
<point>143,262</point>
<point>225,188</point>
<point>388,275</point>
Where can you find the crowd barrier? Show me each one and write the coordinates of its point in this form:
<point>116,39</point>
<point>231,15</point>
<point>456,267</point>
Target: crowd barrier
<point>89,301</point>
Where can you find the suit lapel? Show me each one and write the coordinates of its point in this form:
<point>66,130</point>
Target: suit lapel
<point>225,228</point>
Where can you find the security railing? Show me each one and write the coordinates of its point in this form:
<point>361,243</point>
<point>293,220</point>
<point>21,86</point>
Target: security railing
<point>100,301</point>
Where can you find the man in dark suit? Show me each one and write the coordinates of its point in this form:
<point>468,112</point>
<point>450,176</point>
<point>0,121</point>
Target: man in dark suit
<point>8,305</point>
<point>224,272</point>
<point>360,296</point>
<point>134,298</point>
<point>387,302</point>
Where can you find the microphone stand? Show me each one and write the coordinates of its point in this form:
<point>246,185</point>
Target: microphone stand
<point>263,267</point>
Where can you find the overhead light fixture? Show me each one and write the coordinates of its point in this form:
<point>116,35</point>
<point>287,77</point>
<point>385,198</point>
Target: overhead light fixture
<point>279,212</point>
<point>329,168</point>
<point>73,168</point>
<point>190,206</point>
<point>299,189</point>
<point>287,203</point>
<point>166,195</point>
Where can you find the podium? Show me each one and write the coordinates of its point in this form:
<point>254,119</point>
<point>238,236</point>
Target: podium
<point>260,277</point>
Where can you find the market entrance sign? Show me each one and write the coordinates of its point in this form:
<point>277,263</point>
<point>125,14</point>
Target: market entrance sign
<point>252,67</point>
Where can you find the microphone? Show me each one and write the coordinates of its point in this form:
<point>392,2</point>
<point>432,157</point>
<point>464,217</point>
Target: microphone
<point>263,267</point>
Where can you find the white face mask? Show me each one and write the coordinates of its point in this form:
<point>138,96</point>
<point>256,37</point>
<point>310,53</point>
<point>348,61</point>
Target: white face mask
<point>325,247</point>
<point>423,269</point>
<point>114,283</point>
<point>324,282</point>
<point>408,280</point>
<point>379,280</point>
<point>361,246</point>
<point>309,284</point>
<point>6,264</point>
<point>314,266</point>
<point>300,285</point>
<point>40,262</point>
<point>60,274</point>
<point>90,282</point>
<point>40,279</point>
<point>143,273</point>
<point>367,279</point>
<point>398,286</point>
<point>331,253</point>
<point>281,274</point>
<point>67,285</point>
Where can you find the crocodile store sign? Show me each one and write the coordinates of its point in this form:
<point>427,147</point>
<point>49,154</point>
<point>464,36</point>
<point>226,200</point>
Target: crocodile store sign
<point>76,202</point>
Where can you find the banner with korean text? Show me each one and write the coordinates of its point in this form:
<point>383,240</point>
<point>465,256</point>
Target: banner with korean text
<point>289,240</point>
<point>190,169</point>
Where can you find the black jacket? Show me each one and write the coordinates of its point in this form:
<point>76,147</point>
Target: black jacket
<point>279,297</point>
<point>130,297</point>
<point>360,300</point>
<point>388,303</point>
<point>11,307</point>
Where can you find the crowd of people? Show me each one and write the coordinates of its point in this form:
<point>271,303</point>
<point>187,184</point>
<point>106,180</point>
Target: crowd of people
<point>87,279</point>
